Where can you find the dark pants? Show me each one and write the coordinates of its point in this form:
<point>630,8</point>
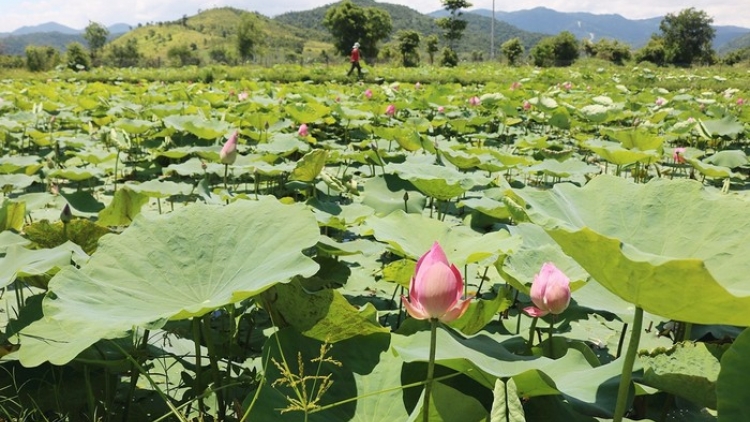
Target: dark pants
<point>355,65</point>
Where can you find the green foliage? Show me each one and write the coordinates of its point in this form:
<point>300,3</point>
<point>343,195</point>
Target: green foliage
<point>249,36</point>
<point>512,50</point>
<point>653,52</point>
<point>432,46</point>
<point>448,58</point>
<point>349,23</point>
<point>408,43</point>
<point>96,35</point>
<point>453,26</point>
<point>609,50</point>
<point>560,50</point>
<point>126,55</point>
<point>76,57</point>
<point>40,59</point>
<point>543,54</point>
<point>687,37</point>
<point>182,55</point>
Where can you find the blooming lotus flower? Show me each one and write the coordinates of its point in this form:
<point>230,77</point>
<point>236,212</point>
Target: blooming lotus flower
<point>678,156</point>
<point>740,101</point>
<point>303,130</point>
<point>474,101</point>
<point>228,153</point>
<point>567,85</point>
<point>515,85</point>
<point>441,109</point>
<point>436,288</point>
<point>242,96</point>
<point>526,105</point>
<point>368,93</point>
<point>550,292</point>
<point>390,110</point>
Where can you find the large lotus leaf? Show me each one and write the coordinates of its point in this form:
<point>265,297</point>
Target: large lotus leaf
<point>134,126</point>
<point>710,170</point>
<point>17,162</point>
<point>82,232</point>
<point>437,181</point>
<point>487,206</point>
<point>307,112</point>
<point>729,126</point>
<point>160,188</point>
<point>18,181</point>
<point>636,138</point>
<point>411,235</point>
<point>171,267</point>
<point>76,174</point>
<point>669,246</point>
<point>733,396</point>
<point>310,166</point>
<point>730,158</point>
<point>198,126</point>
<point>389,193</point>
<point>20,262</point>
<point>614,153</point>
<point>461,159</point>
<point>8,239</point>
<point>688,370</point>
<point>564,169</point>
<point>125,206</point>
<point>12,215</point>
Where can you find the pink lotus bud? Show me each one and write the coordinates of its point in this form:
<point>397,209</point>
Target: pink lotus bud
<point>690,120</point>
<point>515,85</point>
<point>550,292</point>
<point>303,131</point>
<point>660,101</point>
<point>678,155</point>
<point>441,109</point>
<point>228,153</point>
<point>567,85</point>
<point>417,85</point>
<point>474,101</point>
<point>368,93</point>
<point>390,110</point>
<point>526,105</point>
<point>242,96</point>
<point>740,101</point>
<point>66,215</point>
<point>436,288</point>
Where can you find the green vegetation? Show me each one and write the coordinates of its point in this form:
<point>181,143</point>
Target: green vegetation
<point>349,24</point>
<point>687,37</point>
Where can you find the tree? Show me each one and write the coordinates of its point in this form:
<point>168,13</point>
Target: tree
<point>408,43</point>
<point>96,36</point>
<point>512,50</point>
<point>181,55</point>
<point>127,55</point>
<point>652,52</point>
<point>688,37</point>
<point>249,36</point>
<point>76,57</point>
<point>432,47</point>
<point>39,59</point>
<point>543,53</point>
<point>566,48</point>
<point>605,49</point>
<point>453,25</point>
<point>349,23</point>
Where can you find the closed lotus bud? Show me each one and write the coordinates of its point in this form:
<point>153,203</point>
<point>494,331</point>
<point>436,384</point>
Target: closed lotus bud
<point>66,215</point>
<point>303,130</point>
<point>550,292</point>
<point>228,153</point>
<point>390,110</point>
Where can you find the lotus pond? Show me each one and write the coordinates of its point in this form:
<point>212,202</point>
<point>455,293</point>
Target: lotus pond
<point>144,277</point>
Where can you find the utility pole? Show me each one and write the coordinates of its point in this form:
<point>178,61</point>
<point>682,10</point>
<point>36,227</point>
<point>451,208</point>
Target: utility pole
<point>492,33</point>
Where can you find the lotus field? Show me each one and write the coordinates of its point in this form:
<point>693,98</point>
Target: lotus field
<point>553,245</point>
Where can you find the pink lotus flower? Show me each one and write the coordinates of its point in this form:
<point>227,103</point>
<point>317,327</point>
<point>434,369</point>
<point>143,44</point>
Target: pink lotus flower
<point>550,292</point>
<point>441,109</point>
<point>740,101</point>
<point>678,155</point>
<point>515,85</point>
<point>303,131</point>
<point>242,96</point>
<point>436,288</point>
<point>368,93</point>
<point>390,110</point>
<point>228,153</point>
<point>660,101</point>
<point>526,105</point>
<point>474,101</point>
<point>567,85</point>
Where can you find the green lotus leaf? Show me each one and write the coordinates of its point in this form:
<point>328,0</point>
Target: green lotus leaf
<point>125,205</point>
<point>134,126</point>
<point>506,405</point>
<point>160,188</point>
<point>18,162</point>
<point>614,153</point>
<point>171,267</point>
<point>354,247</point>
<point>310,166</point>
<point>710,170</point>
<point>76,174</point>
<point>461,159</point>
<point>728,158</point>
<point>411,235</point>
<point>283,144</point>
<point>8,239</point>
<point>487,206</point>
<point>18,181</point>
<point>96,156</point>
<point>22,262</point>
<point>664,246</point>
<point>733,398</point>
<point>635,138</point>
<point>388,193</point>
<point>198,126</point>
<point>728,126</point>
<point>307,112</point>
<point>565,169</point>
<point>12,215</point>
<point>688,370</point>
<point>437,181</point>
<point>82,232</point>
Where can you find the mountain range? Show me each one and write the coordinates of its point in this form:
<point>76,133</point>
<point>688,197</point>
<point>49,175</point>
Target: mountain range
<point>307,26</point>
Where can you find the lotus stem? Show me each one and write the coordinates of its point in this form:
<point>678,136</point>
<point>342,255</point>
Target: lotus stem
<point>532,329</point>
<point>226,172</point>
<point>134,377</point>
<point>549,338</point>
<point>214,366</point>
<point>622,340</point>
<point>430,370</point>
<point>196,385</point>
<point>627,365</point>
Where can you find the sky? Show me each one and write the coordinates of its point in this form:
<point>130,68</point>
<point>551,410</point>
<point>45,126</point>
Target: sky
<point>17,13</point>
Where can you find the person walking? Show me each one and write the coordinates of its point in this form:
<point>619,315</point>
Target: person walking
<point>354,58</point>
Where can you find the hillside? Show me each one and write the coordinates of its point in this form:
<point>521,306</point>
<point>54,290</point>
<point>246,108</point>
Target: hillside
<point>214,30</point>
<point>476,36</point>
<point>49,34</point>
<point>635,32</point>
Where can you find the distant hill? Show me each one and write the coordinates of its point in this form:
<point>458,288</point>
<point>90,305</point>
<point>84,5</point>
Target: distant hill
<point>635,32</point>
<point>476,36</point>
<point>49,34</point>
<point>46,27</point>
